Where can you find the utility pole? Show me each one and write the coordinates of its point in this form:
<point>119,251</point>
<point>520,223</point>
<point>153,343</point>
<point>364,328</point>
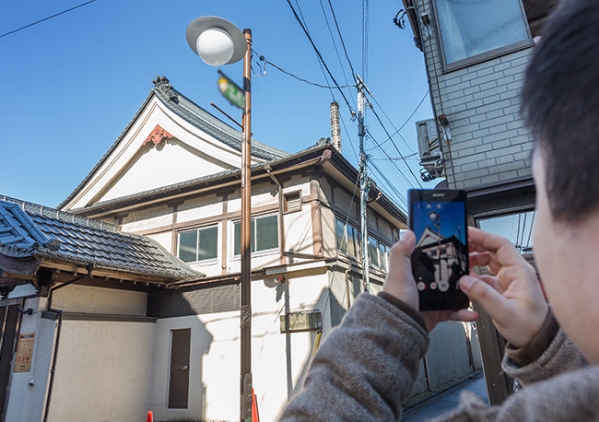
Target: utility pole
<point>363,186</point>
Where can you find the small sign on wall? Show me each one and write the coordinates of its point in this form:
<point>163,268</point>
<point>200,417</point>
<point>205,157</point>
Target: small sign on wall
<point>301,321</point>
<point>24,352</point>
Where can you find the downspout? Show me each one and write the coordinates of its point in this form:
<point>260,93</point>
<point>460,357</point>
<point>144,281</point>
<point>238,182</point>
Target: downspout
<point>58,314</point>
<point>268,168</point>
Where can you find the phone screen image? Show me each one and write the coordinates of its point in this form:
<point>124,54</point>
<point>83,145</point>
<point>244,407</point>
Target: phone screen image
<point>440,258</point>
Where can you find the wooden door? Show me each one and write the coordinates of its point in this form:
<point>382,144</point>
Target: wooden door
<point>179,374</point>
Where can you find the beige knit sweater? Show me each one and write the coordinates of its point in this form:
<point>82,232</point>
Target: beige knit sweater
<point>368,364</point>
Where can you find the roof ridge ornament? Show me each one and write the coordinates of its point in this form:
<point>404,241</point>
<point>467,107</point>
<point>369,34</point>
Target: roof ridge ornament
<point>162,84</point>
<point>157,135</point>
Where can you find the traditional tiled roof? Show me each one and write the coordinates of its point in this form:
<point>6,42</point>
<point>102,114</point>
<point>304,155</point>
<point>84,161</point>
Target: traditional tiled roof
<point>29,230</point>
<point>197,116</point>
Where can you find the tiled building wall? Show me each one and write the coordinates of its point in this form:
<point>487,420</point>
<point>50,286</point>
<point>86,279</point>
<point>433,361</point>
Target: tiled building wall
<point>489,142</point>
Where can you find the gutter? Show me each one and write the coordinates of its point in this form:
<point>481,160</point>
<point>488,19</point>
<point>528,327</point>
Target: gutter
<point>56,314</point>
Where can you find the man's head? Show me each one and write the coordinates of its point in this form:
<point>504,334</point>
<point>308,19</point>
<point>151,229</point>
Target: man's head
<point>561,105</point>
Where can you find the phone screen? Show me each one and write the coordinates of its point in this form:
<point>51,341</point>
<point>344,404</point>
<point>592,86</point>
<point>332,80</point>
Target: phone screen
<point>440,258</point>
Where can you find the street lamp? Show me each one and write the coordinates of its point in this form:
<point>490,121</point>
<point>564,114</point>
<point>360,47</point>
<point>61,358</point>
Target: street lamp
<point>218,42</point>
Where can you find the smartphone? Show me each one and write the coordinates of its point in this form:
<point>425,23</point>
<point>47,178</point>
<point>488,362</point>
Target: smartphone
<point>438,217</point>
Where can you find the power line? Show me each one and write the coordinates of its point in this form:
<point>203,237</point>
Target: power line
<point>321,59</point>
<point>341,38</point>
<point>396,148</point>
<point>45,19</point>
<point>266,61</point>
<point>365,22</point>
<point>404,124</point>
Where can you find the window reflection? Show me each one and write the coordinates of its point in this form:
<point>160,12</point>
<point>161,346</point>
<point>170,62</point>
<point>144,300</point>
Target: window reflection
<point>516,227</point>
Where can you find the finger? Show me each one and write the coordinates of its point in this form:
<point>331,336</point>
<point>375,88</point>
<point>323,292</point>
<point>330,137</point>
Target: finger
<point>479,259</point>
<point>464,315</point>
<point>492,281</point>
<point>486,296</point>
<point>501,247</point>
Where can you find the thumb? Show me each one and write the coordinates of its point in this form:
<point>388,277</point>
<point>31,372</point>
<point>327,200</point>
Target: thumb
<point>400,282</point>
<point>486,296</point>
<point>405,246</point>
<point>399,256</point>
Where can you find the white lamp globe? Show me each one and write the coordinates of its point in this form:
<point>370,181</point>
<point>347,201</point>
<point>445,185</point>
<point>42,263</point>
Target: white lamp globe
<point>215,47</point>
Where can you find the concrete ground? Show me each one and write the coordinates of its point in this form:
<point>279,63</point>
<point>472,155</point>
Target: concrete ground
<point>445,401</point>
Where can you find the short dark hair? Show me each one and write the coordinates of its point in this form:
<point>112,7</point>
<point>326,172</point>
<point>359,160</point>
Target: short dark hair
<point>560,102</point>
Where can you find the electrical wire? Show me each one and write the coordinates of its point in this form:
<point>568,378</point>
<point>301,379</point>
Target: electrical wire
<point>321,59</point>
<point>391,186</point>
<point>391,161</point>
<point>396,148</point>
<point>404,124</point>
<point>266,61</point>
<point>46,19</point>
<point>365,22</point>
<point>341,38</point>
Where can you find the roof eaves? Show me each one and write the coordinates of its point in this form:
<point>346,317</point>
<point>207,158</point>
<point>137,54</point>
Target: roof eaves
<point>202,119</point>
<point>107,153</point>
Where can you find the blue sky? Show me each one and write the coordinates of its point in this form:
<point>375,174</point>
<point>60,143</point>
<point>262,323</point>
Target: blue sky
<point>451,218</point>
<point>72,83</point>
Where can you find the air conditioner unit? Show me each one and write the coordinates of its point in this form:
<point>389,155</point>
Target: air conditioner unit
<point>428,140</point>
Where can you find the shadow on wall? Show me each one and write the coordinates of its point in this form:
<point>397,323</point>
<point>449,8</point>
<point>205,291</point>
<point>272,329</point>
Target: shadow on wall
<point>181,347</point>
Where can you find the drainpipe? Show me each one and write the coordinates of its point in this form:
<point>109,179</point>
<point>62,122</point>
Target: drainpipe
<point>268,168</point>
<point>58,314</point>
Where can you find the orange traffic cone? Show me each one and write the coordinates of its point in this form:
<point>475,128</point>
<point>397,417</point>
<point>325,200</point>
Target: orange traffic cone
<point>255,416</point>
<point>150,417</point>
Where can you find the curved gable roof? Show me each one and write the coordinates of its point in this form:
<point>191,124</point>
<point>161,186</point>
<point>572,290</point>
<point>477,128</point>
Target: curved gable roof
<point>193,114</point>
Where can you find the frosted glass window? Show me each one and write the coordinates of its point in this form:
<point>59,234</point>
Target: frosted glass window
<point>198,244</point>
<point>264,234</point>
<point>348,238</point>
<point>471,28</point>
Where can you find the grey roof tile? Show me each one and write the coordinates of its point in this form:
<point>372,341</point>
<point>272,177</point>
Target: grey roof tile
<point>28,230</point>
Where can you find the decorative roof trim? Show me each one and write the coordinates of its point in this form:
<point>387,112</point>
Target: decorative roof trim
<point>157,135</point>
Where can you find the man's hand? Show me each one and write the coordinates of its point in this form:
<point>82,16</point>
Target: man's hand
<point>401,284</point>
<point>513,297</point>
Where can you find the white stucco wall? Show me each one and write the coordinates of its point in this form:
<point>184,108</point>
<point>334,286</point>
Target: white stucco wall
<point>103,371</point>
<point>279,361</point>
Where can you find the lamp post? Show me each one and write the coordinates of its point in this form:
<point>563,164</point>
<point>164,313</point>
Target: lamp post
<point>218,42</point>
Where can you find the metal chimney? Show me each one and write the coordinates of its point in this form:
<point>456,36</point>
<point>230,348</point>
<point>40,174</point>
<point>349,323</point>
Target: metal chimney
<point>335,127</point>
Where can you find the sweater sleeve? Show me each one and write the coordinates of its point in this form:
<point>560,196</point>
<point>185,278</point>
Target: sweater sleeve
<point>560,356</point>
<point>365,367</point>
